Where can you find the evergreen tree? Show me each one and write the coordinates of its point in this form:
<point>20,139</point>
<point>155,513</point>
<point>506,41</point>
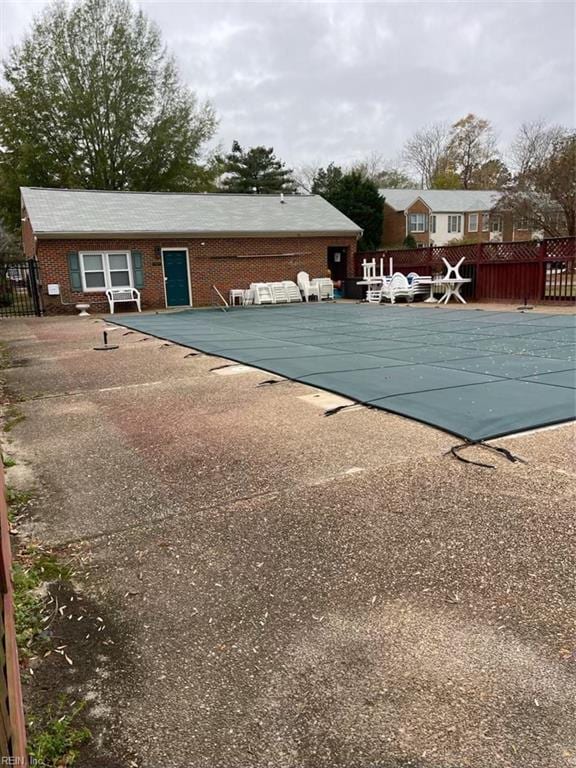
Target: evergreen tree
<point>356,197</point>
<point>256,170</point>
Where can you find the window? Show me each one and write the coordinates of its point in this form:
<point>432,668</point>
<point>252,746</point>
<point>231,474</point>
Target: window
<point>417,222</point>
<point>472,222</point>
<point>101,271</point>
<point>485,222</point>
<point>433,223</point>
<point>522,223</point>
<point>496,224</point>
<point>455,223</point>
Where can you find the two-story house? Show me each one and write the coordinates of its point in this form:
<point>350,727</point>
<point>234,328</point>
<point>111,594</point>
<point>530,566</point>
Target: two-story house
<point>440,216</point>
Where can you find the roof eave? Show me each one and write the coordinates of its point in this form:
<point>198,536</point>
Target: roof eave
<point>144,235</point>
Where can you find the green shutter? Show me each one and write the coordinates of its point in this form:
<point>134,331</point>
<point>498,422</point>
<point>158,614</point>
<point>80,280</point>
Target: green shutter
<point>138,269</point>
<point>74,271</point>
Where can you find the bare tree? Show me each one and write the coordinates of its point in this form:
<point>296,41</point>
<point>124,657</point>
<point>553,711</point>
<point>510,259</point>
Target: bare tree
<point>545,193</point>
<point>304,176</point>
<point>533,145</point>
<point>425,154</point>
<point>384,173</point>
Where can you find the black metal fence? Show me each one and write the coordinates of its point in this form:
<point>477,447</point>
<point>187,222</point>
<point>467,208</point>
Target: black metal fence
<point>19,289</point>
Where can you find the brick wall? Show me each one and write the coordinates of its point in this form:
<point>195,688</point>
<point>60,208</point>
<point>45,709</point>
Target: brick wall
<point>419,206</point>
<point>393,227</point>
<point>224,262</point>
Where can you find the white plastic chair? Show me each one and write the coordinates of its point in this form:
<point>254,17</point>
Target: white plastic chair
<point>324,287</point>
<point>308,290</point>
<point>121,295</point>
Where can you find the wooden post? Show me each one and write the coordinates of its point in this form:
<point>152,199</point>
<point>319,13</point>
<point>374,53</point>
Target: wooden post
<point>477,293</point>
<point>542,248</point>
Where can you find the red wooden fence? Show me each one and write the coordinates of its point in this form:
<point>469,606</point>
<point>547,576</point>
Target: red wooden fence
<point>12,730</point>
<point>534,271</point>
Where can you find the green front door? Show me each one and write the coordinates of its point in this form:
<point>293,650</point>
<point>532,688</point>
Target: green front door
<point>176,278</point>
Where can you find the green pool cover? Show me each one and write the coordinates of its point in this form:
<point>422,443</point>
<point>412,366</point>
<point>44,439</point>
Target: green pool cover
<point>473,373</point>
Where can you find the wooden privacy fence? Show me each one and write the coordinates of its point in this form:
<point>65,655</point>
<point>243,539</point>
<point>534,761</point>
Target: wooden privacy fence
<point>531,271</point>
<point>12,731</point>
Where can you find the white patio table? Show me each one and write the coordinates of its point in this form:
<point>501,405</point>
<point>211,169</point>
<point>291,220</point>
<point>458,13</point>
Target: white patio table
<point>448,287</point>
<point>452,288</point>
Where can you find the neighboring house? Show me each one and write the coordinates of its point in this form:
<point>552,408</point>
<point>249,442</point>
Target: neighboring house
<point>174,247</point>
<point>439,216</point>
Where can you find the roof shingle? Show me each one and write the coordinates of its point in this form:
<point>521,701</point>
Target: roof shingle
<point>443,200</point>
<point>68,212</point>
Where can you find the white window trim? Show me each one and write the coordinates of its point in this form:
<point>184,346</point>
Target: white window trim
<point>496,224</point>
<point>485,222</point>
<point>451,229</point>
<point>106,269</point>
<point>417,229</point>
<point>470,216</point>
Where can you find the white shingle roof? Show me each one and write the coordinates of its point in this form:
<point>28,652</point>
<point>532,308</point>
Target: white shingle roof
<point>443,200</point>
<point>68,212</point>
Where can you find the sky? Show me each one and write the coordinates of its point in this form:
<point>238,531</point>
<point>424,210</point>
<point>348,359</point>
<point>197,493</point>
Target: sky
<point>340,81</point>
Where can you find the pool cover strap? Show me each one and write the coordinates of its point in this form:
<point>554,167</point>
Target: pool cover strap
<point>455,451</point>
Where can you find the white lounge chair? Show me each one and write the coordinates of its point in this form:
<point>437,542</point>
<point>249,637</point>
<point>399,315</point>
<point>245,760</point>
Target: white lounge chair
<point>397,286</point>
<point>292,291</point>
<point>122,295</point>
<point>419,284</point>
<point>262,293</point>
<point>279,293</point>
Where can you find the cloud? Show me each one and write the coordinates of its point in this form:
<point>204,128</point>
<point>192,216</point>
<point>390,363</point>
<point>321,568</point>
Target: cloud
<point>324,81</point>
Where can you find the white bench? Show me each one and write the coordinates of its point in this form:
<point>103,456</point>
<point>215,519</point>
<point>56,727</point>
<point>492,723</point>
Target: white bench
<point>121,295</point>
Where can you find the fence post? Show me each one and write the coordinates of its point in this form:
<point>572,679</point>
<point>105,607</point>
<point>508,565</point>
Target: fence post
<point>542,271</point>
<point>477,288</point>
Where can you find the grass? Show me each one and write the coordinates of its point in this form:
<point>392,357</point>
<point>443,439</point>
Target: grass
<point>55,738</point>
<point>12,417</point>
<point>32,570</point>
<point>17,500</point>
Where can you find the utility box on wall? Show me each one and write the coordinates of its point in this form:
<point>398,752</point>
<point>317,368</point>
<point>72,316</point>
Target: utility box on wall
<point>53,289</point>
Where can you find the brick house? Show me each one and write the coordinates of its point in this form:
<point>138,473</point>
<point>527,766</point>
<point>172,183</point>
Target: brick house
<point>174,247</point>
<point>438,216</point>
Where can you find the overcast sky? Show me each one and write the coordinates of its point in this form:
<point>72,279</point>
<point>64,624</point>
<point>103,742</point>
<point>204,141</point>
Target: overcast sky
<point>323,81</point>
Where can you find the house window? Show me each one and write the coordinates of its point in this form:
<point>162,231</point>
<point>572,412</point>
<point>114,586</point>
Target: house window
<point>101,271</point>
<point>496,224</point>
<point>433,223</point>
<point>522,223</point>
<point>472,222</point>
<point>417,222</point>
<point>454,223</point>
<point>485,222</point>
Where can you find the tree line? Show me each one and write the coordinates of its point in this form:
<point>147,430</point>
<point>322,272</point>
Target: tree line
<point>93,99</point>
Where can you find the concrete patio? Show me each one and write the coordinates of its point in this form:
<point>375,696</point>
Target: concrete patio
<point>288,590</point>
